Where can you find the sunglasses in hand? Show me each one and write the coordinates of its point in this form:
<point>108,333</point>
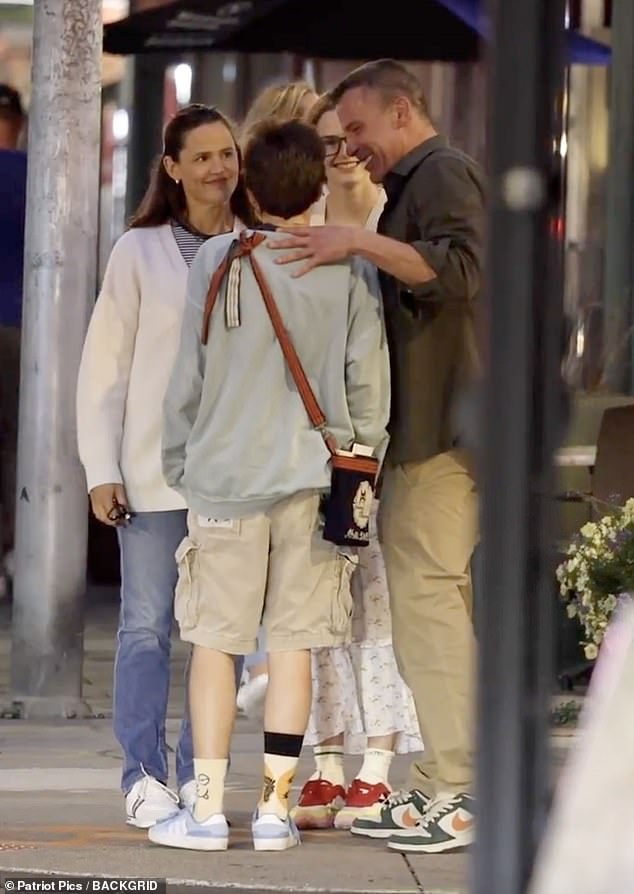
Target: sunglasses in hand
<point>120,514</point>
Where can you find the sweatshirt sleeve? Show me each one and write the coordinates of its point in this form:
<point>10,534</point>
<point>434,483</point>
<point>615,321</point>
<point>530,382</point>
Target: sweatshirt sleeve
<point>182,399</point>
<point>104,370</point>
<point>367,360</point>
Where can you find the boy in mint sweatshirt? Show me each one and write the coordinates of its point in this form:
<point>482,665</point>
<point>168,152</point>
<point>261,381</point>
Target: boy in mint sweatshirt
<point>238,444</point>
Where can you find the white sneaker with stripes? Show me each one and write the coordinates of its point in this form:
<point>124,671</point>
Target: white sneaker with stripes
<point>148,802</point>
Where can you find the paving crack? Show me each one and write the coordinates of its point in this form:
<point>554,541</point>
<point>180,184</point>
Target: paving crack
<point>412,872</point>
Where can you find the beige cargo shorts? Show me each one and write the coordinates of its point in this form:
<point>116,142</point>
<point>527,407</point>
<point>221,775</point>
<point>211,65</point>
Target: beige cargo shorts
<point>273,568</point>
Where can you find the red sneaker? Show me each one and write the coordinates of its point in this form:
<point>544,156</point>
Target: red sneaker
<point>362,800</point>
<point>318,804</point>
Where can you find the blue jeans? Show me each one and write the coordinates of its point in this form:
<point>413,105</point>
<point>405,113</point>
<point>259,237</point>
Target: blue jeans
<point>142,663</point>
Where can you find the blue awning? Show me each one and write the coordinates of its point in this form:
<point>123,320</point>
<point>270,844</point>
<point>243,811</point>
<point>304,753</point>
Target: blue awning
<point>582,50</point>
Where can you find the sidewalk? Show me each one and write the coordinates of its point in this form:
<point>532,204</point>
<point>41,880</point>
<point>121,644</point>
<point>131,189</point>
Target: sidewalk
<point>61,810</point>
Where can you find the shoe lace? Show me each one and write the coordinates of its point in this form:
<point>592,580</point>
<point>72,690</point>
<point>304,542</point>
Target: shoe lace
<point>438,809</point>
<point>395,799</point>
<point>152,781</point>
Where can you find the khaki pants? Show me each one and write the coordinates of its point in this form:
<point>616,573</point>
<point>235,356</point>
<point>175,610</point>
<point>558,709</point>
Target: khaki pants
<point>428,527</point>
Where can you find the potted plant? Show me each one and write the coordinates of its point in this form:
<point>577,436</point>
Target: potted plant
<point>597,573</point>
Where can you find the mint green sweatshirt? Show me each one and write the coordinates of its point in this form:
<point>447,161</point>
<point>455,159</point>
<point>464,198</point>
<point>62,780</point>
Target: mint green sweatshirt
<point>236,435</point>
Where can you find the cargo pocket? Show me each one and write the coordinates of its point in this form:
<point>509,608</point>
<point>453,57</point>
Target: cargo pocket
<point>186,595</point>
<point>342,605</point>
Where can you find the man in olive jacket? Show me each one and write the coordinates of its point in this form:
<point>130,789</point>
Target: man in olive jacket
<point>428,249</point>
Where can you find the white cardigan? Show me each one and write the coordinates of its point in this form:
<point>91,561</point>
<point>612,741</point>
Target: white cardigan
<point>127,360</point>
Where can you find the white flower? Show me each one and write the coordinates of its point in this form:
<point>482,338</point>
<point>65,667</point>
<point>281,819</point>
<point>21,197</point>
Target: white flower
<point>628,510</point>
<point>596,550</point>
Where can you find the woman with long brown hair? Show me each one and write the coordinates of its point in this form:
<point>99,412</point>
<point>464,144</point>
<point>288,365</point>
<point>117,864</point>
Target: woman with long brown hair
<point>196,191</point>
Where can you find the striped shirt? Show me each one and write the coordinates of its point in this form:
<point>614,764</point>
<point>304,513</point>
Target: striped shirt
<point>188,242</point>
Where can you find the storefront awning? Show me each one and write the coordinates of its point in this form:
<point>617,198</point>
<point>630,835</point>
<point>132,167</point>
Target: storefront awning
<point>427,30</point>
<point>581,50</point>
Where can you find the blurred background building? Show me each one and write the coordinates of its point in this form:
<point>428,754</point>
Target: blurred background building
<point>457,98</point>
<point>141,91</point>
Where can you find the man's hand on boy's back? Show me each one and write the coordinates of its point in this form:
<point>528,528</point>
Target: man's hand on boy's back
<point>315,245</point>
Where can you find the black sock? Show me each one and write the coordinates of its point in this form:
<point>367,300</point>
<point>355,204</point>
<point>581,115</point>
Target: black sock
<point>283,744</point>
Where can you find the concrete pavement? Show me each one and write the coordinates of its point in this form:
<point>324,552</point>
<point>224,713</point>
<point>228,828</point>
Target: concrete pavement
<point>61,810</point>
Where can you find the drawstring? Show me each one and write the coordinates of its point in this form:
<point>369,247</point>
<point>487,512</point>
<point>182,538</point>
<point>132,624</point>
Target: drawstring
<point>232,299</point>
<point>230,268</point>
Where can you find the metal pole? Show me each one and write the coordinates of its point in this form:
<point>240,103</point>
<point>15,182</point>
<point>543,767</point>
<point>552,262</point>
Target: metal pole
<point>60,281</point>
<point>522,418</point>
<point>618,284</point>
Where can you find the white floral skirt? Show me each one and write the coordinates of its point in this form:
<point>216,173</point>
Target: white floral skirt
<point>357,689</point>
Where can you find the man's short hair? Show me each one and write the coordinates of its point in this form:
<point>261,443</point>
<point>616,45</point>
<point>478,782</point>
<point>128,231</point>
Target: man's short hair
<point>387,76</point>
<point>284,167</point>
<point>10,104</point>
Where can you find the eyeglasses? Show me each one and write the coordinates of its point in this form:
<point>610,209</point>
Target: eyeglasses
<point>333,145</point>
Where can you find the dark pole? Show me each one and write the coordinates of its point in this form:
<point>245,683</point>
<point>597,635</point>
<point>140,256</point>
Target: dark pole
<point>618,290</point>
<point>146,123</point>
<point>522,424</point>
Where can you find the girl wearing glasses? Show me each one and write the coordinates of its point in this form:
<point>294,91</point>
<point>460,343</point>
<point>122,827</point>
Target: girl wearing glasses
<point>360,703</point>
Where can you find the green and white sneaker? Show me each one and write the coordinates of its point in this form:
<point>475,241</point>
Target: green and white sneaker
<point>448,825</point>
<point>400,811</point>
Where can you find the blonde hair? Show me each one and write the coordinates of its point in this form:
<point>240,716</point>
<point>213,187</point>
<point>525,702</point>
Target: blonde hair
<point>324,104</point>
<point>282,102</point>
